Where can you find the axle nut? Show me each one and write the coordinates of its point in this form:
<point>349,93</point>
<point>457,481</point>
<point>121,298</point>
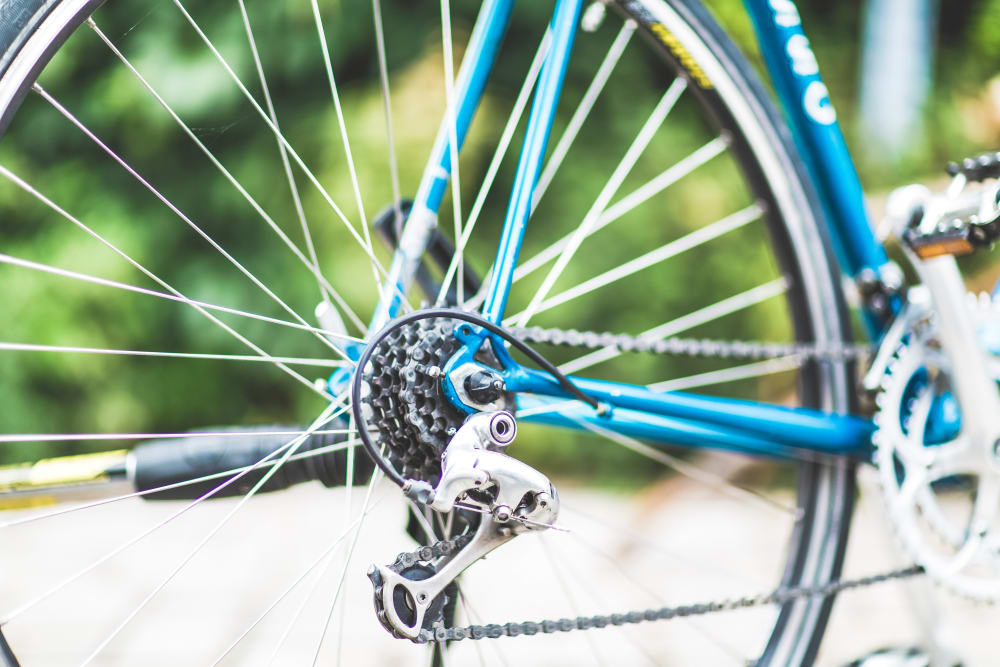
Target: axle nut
<point>484,387</point>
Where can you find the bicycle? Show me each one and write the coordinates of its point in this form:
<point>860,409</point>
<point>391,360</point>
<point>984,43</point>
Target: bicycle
<point>442,389</point>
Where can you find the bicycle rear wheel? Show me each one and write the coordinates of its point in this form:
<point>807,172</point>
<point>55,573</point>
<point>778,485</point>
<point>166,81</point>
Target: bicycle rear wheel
<point>714,187</point>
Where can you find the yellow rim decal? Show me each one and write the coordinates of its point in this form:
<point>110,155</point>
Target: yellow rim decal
<point>687,61</point>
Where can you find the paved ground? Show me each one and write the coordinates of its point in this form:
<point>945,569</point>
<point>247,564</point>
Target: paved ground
<point>207,606</point>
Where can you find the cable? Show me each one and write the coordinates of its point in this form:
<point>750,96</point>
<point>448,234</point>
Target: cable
<point>443,313</point>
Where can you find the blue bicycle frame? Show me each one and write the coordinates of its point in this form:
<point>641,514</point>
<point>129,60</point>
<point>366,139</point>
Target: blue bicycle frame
<point>635,411</point>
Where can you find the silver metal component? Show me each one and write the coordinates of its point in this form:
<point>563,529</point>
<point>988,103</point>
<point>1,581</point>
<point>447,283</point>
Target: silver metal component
<point>692,347</point>
<point>903,206</point>
<point>918,304</point>
<point>956,331</point>
<point>331,320</point>
<point>922,479</point>
<point>419,491</point>
<point>472,462</point>
<point>503,428</point>
<point>523,499</point>
<point>458,377</point>
<point>593,17</point>
<point>421,594</point>
<point>420,224</point>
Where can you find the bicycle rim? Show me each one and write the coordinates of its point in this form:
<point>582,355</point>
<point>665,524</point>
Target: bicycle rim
<point>800,278</point>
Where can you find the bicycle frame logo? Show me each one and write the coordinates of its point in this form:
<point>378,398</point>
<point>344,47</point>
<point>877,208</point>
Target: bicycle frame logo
<point>816,98</point>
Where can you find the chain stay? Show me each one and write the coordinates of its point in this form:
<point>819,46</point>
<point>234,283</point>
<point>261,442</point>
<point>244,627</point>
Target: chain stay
<point>780,596</point>
<point>691,347</point>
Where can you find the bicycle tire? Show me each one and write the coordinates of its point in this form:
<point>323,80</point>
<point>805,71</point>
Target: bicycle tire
<point>684,33</point>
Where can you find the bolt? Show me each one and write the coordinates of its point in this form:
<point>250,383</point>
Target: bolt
<point>502,428</point>
<point>422,597</point>
<point>502,513</point>
<point>482,386</point>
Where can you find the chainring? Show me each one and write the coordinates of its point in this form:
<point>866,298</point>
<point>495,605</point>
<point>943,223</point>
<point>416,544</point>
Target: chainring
<point>931,477</point>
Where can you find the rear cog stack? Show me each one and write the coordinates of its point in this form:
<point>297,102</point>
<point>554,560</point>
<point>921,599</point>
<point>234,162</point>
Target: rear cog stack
<point>405,401</point>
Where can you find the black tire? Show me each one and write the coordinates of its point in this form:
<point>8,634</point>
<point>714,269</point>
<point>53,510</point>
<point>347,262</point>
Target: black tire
<point>800,626</point>
<point>687,36</point>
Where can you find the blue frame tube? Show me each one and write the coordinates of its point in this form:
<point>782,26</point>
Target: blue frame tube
<point>678,418</point>
<point>687,433</point>
<point>543,110</point>
<point>695,420</point>
<point>477,63</point>
<point>813,120</point>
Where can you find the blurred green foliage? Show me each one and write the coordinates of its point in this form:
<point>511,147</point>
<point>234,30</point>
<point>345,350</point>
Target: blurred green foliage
<point>49,392</point>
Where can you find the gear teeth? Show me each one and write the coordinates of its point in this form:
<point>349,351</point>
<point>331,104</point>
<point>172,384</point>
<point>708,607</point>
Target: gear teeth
<point>405,397</point>
<point>899,369</point>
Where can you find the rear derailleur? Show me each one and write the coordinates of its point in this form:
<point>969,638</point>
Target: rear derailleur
<point>511,498</point>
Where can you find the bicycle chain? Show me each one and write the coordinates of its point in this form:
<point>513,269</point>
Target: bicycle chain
<point>692,347</point>
<point>780,596</point>
<point>673,346</point>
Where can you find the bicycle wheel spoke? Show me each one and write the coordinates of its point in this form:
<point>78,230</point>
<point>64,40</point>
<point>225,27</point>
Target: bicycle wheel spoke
<point>582,111</point>
<point>691,471</point>
<point>222,169</point>
<point>325,556</point>
<point>352,170</point>
<point>298,612</point>
<point>288,452</point>
<point>383,73</point>
<point>644,538</point>
<point>704,315</point>
<point>33,347</point>
<point>328,414</point>
<point>343,573</point>
<point>473,618</point>
<point>658,599</point>
<point>347,516</point>
<point>672,249</point>
<point>46,268</point>
<point>285,164</point>
<point>743,372</point>
<point>567,592</point>
<point>505,138</point>
<point>71,437</point>
<point>368,248</point>
<point>649,128</point>
<point>329,449</point>
<point>450,119</point>
<point>668,177</point>
<point>201,232</point>
<point>243,339</point>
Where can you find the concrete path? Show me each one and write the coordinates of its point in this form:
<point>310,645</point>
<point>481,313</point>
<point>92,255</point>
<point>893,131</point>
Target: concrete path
<point>707,546</point>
